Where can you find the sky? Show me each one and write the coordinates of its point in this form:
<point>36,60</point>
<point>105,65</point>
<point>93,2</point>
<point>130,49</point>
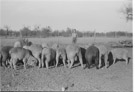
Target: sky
<point>83,15</point>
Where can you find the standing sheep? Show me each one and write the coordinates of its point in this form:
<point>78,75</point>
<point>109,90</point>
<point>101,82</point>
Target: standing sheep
<point>19,53</point>
<point>103,51</point>
<point>48,55</point>
<point>73,51</point>
<point>61,53</point>
<point>92,54</point>
<point>4,55</point>
<point>120,53</point>
<point>36,51</point>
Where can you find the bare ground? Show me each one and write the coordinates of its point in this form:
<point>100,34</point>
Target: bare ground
<point>117,77</point>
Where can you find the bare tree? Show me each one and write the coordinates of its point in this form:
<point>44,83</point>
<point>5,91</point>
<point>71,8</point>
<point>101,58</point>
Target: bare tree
<point>127,10</point>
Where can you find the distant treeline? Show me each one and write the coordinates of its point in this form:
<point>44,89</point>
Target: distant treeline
<point>47,32</point>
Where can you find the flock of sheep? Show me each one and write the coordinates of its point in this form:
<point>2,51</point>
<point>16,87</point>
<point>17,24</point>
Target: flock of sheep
<point>42,55</point>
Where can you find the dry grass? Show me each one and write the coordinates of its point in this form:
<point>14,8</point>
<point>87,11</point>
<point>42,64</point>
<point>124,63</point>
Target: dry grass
<point>65,40</point>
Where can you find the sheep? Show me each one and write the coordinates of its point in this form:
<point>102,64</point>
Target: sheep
<point>61,53</point>
<point>36,52</point>
<point>92,53</point>
<point>73,51</point>
<point>103,51</point>
<point>19,53</point>
<point>48,54</point>
<point>4,55</point>
<point>120,53</point>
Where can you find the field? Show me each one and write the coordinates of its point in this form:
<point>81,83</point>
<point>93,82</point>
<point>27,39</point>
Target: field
<point>118,77</point>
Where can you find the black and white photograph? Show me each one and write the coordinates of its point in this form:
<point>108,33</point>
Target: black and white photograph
<point>66,45</point>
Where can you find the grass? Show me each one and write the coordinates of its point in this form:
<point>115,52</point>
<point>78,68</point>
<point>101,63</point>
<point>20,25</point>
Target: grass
<point>64,40</point>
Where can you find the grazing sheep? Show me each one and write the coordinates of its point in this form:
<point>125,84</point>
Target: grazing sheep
<point>19,53</point>
<point>73,51</point>
<point>120,53</point>
<point>61,53</point>
<point>36,51</point>
<point>92,54</point>
<point>4,55</point>
<point>48,55</point>
<point>103,51</point>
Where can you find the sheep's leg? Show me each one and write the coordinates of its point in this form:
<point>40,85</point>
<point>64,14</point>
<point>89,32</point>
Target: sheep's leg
<point>14,63</point>
<point>114,60</point>
<point>39,62</point>
<point>126,59</point>
<point>68,62</point>
<point>57,60</point>
<point>100,60</point>
<point>42,60</point>
<point>24,62</point>
<point>88,64</point>
<point>47,62</point>
<point>72,61</point>
<point>97,62</point>
<point>80,59</point>
<point>106,60</point>
<point>10,63</point>
<point>64,61</point>
<point>7,62</point>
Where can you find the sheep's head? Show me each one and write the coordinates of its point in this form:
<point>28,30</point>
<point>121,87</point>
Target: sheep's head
<point>25,41</point>
<point>32,61</point>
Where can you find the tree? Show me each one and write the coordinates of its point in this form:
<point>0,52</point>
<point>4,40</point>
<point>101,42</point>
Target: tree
<point>55,33</point>
<point>37,31</point>
<point>25,31</point>
<point>68,31</point>
<point>127,10</point>
<point>2,32</point>
<point>46,31</point>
